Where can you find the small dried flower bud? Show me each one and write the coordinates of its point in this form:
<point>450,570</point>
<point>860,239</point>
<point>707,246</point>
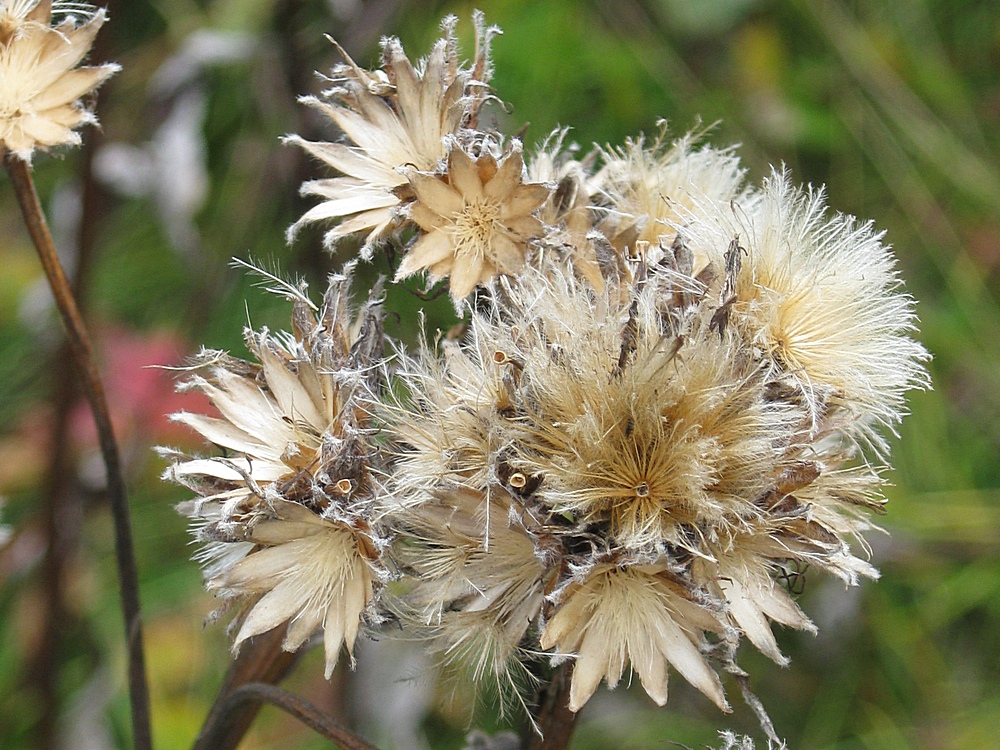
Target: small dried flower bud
<point>344,486</point>
<point>518,480</point>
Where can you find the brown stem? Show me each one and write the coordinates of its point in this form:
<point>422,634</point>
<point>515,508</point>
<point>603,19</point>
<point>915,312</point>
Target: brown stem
<point>301,709</point>
<point>261,660</point>
<point>82,351</point>
<point>555,722</point>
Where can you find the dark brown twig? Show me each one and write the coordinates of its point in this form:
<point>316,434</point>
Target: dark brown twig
<point>555,722</point>
<point>83,356</point>
<point>301,709</point>
<point>261,660</point>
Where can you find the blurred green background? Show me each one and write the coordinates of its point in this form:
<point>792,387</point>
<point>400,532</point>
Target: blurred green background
<point>893,104</point>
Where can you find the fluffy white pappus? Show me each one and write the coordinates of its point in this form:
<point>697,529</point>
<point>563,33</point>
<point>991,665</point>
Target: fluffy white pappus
<point>637,616</point>
<point>648,191</point>
<point>479,585</point>
<point>819,296</point>
<point>651,432</point>
<point>305,571</point>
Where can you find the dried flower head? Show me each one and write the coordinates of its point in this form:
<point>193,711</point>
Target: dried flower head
<point>287,511</point>
<point>647,192</point>
<point>476,219</point>
<point>397,116</point>
<point>817,295</point>
<point>40,86</point>
<point>649,454</point>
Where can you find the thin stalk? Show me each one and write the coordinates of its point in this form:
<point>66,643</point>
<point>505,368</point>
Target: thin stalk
<point>83,357</point>
<point>261,661</point>
<point>301,709</point>
<point>553,719</point>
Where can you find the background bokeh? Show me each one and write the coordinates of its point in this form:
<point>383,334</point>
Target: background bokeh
<point>894,105</point>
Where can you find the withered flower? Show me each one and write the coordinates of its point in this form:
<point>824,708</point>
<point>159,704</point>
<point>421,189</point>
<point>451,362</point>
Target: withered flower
<point>398,116</point>
<point>287,512</point>
<point>476,219</point>
<point>40,85</point>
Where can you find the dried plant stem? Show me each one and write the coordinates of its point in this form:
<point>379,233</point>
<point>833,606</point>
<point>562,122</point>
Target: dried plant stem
<point>261,661</point>
<point>554,719</point>
<point>82,351</point>
<point>301,709</point>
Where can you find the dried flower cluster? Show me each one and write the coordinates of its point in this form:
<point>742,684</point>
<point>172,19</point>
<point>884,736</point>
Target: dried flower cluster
<point>669,397</point>
<point>288,513</point>
<point>40,85</point>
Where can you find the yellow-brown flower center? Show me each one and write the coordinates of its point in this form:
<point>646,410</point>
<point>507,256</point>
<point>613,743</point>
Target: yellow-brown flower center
<point>475,226</point>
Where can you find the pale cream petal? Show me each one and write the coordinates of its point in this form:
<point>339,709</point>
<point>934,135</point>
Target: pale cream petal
<point>589,668</point>
<point>287,389</point>
<point>67,115</point>
<point>435,194</point>
<point>506,255</point>
<point>379,218</point>
<point>525,227</point>
<point>71,85</point>
<point>442,269</point>
<point>507,177</point>
<point>429,250</point>
<point>362,201</point>
<point>463,175</point>
<point>652,669</point>
<point>775,602</point>
<point>277,532</point>
<point>567,619</point>
<point>333,634</point>
<point>223,433</point>
<point>489,272</point>
<point>426,219</point>
<point>432,91</point>
<point>45,132</point>
<point>522,200</point>
<point>258,470</point>
<point>465,276</point>
<point>355,599</point>
<point>617,659</point>
<point>674,644</point>
<point>407,87</point>
<point>41,13</point>
<point>751,620</point>
<point>261,570</point>
<point>352,161</point>
<point>301,627</point>
<point>276,606</point>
